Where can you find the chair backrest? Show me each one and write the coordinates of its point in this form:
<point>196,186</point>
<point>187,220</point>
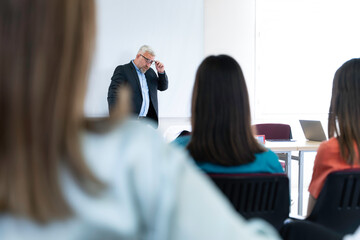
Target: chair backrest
<point>184,133</point>
<point>274,130</point>
<point>338,205</point>
<point>264,196</point>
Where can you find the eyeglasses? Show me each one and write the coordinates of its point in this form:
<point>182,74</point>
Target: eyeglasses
<point>148,60</point>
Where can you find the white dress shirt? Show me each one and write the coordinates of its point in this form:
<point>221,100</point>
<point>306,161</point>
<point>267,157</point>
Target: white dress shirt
<point>144,92</point>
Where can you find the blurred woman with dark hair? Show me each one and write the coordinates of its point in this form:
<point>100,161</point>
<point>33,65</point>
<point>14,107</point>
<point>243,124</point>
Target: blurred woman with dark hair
<point>341,151</point>
<point>222,140</point>
<point>65,177</point>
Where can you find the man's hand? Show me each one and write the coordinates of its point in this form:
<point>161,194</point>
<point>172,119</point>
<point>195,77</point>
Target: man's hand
<point>159,67</point>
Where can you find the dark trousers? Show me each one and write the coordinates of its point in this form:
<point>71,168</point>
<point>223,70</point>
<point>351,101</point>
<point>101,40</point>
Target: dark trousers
<point>151,116</point>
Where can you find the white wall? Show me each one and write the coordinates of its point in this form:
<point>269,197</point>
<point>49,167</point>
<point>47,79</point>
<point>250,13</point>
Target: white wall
<point>184,32</point>
<point>297,56</point>
<point>230,29</point>
<point>175,31</point>
<point>297,45</point>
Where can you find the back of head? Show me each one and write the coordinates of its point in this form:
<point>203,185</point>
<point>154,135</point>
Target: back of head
<point>146,49</point>
<point>45,49</point>
<point>344,112</point>
<point>221,120</point>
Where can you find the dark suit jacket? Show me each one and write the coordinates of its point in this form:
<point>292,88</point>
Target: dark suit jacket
<point>126,74</point>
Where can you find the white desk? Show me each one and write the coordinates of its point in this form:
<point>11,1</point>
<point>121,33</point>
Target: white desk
<point>288,147</point>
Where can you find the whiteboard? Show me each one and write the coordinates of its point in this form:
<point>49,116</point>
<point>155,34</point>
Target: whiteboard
<point>174,29</point>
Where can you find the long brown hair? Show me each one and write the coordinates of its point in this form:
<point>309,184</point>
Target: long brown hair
<point>344,112</point>
<point>221,121</point>
<point>45,49</point>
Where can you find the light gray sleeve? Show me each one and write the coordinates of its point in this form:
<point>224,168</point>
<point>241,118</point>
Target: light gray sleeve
<point>178,202</point>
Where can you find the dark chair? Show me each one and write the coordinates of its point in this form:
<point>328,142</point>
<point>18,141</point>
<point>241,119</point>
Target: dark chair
<point>338,205</point>
<point>300,230</point>
<point>263,196</point>
<point>184,133</point>
<point>276,131</point>
<point>273,131</point>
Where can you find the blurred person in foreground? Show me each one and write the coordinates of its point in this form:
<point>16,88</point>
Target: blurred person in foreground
<point>66,177</point>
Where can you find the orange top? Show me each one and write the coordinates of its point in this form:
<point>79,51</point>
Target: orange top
<point>328,159</point>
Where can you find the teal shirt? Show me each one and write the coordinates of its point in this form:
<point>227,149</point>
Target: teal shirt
<point>265,162</point>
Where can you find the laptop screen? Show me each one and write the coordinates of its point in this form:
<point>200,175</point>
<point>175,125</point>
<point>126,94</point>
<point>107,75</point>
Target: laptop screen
<point>313,130</point>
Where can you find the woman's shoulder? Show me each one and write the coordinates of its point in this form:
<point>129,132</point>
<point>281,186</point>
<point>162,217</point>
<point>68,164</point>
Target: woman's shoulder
<point>125,131</point>
<point>130,144</point>
<point>266,155</point>
<point>269,160</point>
<point>330,146</point>
<point>328,155</point>
<point>332,142</point>
<point>182,140</point>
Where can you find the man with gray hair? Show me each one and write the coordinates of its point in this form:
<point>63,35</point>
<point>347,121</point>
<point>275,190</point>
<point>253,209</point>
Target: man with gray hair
<point>143,81</point>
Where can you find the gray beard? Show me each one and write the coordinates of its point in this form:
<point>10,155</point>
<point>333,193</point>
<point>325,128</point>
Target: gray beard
<point>143,71</point>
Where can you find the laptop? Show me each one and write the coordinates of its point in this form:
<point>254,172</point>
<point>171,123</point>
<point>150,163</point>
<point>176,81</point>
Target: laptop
<point>313,130</point>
